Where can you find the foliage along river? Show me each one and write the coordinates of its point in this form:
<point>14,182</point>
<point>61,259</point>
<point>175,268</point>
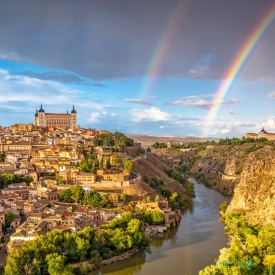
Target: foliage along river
<point>184,250</point>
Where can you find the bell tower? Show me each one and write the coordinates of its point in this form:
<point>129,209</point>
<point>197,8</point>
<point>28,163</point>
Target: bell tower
<point>41,117</point>
<point>73,118</point>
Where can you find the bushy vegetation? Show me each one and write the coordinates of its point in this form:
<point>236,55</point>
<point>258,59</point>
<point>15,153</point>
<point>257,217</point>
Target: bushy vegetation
<point>52,253</point>
<point>118,140</point>
<point>239,141</point>
<point>158,145</point>
<point>223,206</point>
<point>201,178</point>
<point>77,194</point>
<point>6,179</point>
<point>251,251</point>
<point>176,200</point>
<point>128,165</point>
<point>2,157</point>
<point>155,217</point>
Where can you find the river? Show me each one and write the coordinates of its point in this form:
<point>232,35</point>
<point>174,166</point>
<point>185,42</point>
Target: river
<point>184,250</point>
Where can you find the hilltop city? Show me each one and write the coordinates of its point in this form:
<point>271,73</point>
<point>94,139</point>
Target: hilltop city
<point>55,175</point>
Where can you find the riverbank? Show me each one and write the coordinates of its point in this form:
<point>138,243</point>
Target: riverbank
<point>150,232</point>
<point>185,249</point>
<point>125,255</point>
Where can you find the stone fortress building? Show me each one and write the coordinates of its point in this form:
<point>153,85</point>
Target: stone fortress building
<point>67,120</point>
<point>261,134</point>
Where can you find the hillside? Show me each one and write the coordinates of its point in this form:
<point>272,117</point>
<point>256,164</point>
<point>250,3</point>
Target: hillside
<point>154,166</point>
<point>246,171</point>
<point>255,192</point>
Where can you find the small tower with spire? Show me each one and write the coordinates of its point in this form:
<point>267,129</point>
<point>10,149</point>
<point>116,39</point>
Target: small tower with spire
<point>40,117</point>
<point>73,118</point>
<point>35,117</point>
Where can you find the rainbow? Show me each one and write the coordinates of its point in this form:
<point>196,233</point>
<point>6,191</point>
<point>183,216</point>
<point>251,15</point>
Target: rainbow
<point>236,65</point>
<point>162,49</point>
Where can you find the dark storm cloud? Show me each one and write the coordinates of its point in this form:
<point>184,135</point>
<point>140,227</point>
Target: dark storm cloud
<point>117,39</point>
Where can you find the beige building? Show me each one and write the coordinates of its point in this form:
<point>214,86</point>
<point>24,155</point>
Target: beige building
<point>74,176</point>
<point>112,175</point>
<point>262,134</point>
<point>21,127</point>
<point>55,120</point>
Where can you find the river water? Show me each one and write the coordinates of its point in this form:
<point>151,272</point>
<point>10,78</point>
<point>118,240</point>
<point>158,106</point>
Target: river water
<point>184,250</point>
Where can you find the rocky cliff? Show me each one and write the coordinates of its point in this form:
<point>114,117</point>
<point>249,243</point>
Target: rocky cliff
<point>220,167</point>
<point>247,172</point>
<point>255,192</point>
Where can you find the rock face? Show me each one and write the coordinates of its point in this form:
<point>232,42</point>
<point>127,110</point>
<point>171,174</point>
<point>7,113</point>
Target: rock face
<point>255,192</point>
<point>221,166</point>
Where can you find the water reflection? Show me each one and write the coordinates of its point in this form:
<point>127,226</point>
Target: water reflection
<point>183,250</point>
<point>128,267</point>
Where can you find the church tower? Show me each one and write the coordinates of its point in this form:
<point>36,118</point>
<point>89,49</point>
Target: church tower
<point>73,118</point>
<point>36,117</point>
<point>41,117</point>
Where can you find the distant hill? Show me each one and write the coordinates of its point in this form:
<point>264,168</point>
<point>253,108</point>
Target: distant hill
<point>148,140</point>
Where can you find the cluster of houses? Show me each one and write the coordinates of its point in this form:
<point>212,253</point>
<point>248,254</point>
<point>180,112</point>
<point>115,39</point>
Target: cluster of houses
<point>42,153</point>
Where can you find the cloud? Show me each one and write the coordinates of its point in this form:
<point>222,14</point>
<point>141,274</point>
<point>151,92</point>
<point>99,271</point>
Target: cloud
<point>243,124</point>
<point>63,77</point>
<point>232,112</point>
<point>202,104</point>
<point>268,124</point>
<point>94,117</point>
<point>152,114</point>
<point>137,101</point>
<point>100,40</point>
<point>16,88</point>
<point>98,85</point>
<point>224,131</point>
<point>271,95</point>
<point>198,96</point>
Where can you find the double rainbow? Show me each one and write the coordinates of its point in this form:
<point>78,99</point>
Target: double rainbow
<point>236,66</point>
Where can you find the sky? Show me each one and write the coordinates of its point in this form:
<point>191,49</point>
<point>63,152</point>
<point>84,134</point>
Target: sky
<point>177,67</point>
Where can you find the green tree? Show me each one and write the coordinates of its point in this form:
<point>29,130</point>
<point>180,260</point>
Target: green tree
<point>145,178</point>
<point>28,179</point>
<point>120,240</point>
<point>176,201</point>
<point>57,265</point>
<point>2,157</point>
<point>84,268</point>
<point>108,164</point>
<point>66,195</point>
<point>223,206</point>
<point>93,199</point>
<point>155,217</point>
<point>116,160</point>
<point>77,193</point>
<point>86,167</point>
<point>123,196</point>
<point>105,201</point>
<point>9,217</point>
<point>157,198</point>
<point>155,145</point>
<point>128,165</point>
